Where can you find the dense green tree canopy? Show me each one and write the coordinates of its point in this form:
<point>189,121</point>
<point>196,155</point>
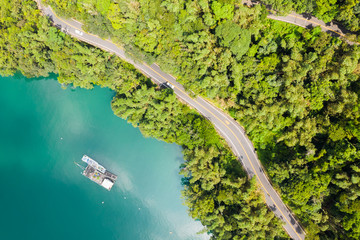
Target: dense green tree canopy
<point>295,91</point>
<point>216,189</point>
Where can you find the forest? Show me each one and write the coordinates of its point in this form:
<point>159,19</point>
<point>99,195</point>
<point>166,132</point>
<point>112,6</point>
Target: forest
<point>296,92</point>
<point>216,189</point>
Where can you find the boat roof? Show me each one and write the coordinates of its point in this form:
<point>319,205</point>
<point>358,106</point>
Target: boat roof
<point>93,163</point>
<point>107,184</point>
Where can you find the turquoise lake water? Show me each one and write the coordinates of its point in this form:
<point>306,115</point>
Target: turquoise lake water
<point>43,130</point>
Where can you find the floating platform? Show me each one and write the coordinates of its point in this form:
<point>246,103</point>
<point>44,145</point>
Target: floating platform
<point>97,173</point>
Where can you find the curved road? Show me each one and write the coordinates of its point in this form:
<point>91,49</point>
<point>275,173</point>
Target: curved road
<point>305,21</point>
<point>311,22</point>
<point>232,132</point>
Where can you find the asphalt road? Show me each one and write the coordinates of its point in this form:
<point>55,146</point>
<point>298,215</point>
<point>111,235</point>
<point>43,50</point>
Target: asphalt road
<point>232,132</point>
<point>311,22</point>
<point>306,21</point>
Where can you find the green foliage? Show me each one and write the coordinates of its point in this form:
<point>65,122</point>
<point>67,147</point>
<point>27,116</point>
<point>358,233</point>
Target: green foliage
<point>234,37</point>
<point>296,92</point>
<point>217,191</point>
<point>29,44</point>
<point>103,6</point>
<point>225,11</point>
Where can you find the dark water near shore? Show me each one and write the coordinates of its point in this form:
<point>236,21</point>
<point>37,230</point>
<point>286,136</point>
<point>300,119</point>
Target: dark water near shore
<point>43,130</point>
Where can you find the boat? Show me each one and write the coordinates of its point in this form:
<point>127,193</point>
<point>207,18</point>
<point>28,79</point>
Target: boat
<point>98,173</point>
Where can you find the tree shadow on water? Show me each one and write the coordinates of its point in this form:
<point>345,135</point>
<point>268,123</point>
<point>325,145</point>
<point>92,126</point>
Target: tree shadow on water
<point>20,76</point>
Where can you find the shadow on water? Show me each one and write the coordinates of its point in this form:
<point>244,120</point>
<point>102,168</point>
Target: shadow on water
<point>18,75</point>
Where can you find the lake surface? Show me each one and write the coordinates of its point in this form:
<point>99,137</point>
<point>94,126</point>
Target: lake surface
<point>43,130</point>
